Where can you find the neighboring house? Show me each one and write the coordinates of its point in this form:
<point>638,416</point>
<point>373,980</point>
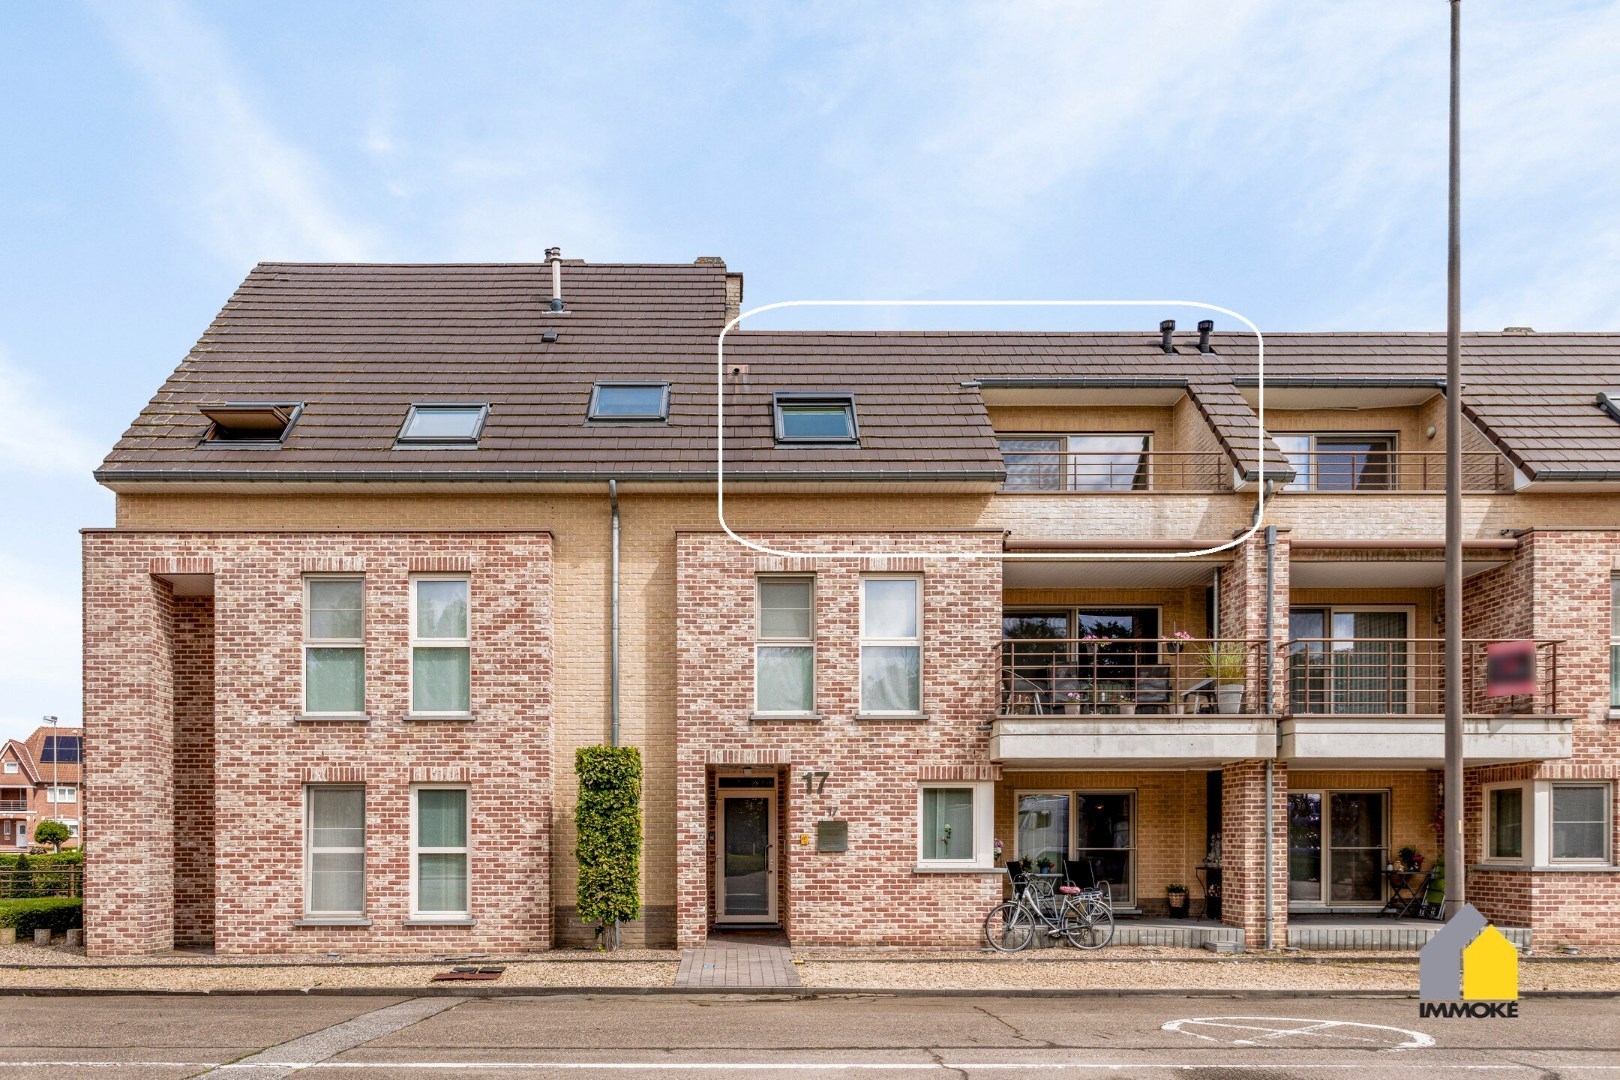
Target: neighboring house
<point>40,780</point>
<point>356,616</point>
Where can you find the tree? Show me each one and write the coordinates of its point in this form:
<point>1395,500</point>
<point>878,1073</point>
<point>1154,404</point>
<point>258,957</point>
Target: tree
<point>608,817</point>
<point>51,832</point>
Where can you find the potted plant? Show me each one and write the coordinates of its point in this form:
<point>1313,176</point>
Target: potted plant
<point>1227,662</point>
<point>1044,864</point>
<point>998,850</point>
<point>1074,702</point>
<point>1176,897</point>
<point>1212,902</point>
<point>1127,705</point>
<point>1407,858</point>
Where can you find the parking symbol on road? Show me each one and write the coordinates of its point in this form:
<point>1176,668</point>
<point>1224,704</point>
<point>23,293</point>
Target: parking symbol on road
<point>1297,1031</point>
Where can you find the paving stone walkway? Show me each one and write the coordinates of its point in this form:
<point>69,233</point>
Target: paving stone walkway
<point>741,961</point>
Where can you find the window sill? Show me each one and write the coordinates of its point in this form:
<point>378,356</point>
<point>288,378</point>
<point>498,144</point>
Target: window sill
<point>893,716</point>
<point>424,920</point>
<point>452,717</point>
<point>1614,714</point>
<point>803,717</point>
<point>932,868</point>
<point>317,923</point>
<point>332,718</point>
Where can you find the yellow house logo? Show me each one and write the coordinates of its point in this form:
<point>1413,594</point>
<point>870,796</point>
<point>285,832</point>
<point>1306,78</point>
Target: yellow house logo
<point>1468,969</point>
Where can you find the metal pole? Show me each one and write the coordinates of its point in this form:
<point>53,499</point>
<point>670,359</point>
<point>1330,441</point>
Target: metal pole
<point>1456,894</point>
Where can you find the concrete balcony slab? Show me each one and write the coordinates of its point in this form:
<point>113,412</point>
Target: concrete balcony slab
<point>1141,741</point>
<point>1418,741</point>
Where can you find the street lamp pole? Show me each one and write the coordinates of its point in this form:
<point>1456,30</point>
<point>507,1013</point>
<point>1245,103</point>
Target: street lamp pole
<point>1456,893</point>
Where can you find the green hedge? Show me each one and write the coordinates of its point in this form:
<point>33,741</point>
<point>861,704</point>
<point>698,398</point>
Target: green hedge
<point>70,857</point>
<point>31,876</point>
<point>608,817</point>
<point>56,913</point>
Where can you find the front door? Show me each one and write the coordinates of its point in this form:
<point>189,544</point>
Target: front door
<point>745,849</point>
<point>1348,869</point>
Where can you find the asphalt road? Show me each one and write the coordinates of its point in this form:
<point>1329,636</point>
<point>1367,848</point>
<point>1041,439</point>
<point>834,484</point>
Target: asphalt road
<point>852,1037</point>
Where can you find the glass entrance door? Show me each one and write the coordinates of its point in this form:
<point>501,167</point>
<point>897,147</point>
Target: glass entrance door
<point>1339,859</point>
<point>745,878</point>
<point>1105,833</point>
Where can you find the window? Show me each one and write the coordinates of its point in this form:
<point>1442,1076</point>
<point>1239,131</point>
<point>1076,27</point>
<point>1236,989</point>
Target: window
<point>1504,823</point>
<point>1105,834</point>
<point>785,653</point>
<point>1580,823</point>
<point>1076,462</point>
<point>1614,643</point>
<point>335,850</point>
<point>63,794</point>
<point>1041,828</point>
<point>72,826</point>
<point>334,646</point>
<point>12,766</point>
<point>62,749</point>
<point>815,418</point>
<point>441,647</point>
<point>629,401</point>
<point>1350,660</point>
<point>955,826</point>
<point>443,425</point>
<point>1335,462</point>
<point>891,645</point>
<point>439,853</point>
<point>250,425</point>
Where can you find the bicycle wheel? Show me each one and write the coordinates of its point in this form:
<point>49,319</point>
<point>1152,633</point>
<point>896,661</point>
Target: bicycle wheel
<point>1095,926</point>
<point>1009,927</point>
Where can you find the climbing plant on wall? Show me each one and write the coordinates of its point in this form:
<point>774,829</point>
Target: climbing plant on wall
<point>608,822</point>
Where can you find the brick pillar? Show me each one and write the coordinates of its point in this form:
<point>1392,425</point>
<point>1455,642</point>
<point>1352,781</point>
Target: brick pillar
<point>1242,605</point>
<point>128,753</point>
<point>1243,853</point>
<point>692,851</point>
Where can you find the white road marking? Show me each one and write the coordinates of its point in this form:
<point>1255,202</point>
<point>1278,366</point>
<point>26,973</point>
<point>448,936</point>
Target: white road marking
<point>764,1066</point>
<point>1325,1029</point>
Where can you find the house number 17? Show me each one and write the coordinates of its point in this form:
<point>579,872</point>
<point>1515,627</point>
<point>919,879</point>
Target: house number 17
<point>815,781</point>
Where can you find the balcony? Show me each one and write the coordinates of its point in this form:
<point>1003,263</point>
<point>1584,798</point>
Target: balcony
<point>1361,701</point>
<point>13,806</point>
<point>1362,470</point>
<point>1107,472</point>
<point>1126,701</point>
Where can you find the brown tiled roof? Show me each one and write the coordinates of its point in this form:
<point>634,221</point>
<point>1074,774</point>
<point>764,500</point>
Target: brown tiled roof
<point>356,344</point>
<point>48,772</point>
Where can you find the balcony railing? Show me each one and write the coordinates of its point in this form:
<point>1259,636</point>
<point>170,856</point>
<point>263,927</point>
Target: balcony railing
<point>1396,470</point>
<point>8,806</point>
<point>1406,676</point>
<point>1104,473</point>
<point>1116,676</point>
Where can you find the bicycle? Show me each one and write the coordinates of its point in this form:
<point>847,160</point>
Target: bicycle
<point>1081,917</point>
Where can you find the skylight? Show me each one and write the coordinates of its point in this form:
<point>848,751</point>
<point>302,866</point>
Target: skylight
<point>261,423</point>
<point>1609,402</point>
<point>815,418</point>
<point>630,401</point>
<point>443,424</point>
<point>60,749</point>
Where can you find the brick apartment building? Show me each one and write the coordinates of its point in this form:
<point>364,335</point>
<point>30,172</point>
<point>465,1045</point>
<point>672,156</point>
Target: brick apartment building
<point>358,611</point>
<point>39,781</point>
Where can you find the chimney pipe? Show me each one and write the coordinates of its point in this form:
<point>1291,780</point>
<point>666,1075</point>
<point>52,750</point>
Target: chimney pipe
<point>1204,328</point>
<point>554,257</point>
<point>1166,329</point>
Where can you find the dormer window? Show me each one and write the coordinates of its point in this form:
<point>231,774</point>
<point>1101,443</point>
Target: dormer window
<point>815,418</point>
<point>629,402</point>
<point>431,426</point>
<point>246,424</point>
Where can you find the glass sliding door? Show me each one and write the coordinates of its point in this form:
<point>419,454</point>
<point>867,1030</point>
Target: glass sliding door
<point>1105,833</point>
<point>1357,848</point>
<point>1042,826</point>
<point>1305,846</point>
<point>1371,659</point>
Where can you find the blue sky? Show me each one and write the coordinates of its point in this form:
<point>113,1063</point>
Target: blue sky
<point>1284,159</point>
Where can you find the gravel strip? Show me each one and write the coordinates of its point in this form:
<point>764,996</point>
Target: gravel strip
<point>309,976</point>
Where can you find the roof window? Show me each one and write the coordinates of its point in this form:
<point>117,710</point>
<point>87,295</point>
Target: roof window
<point>639,402</point>
<point>442,424</point>
<point>60,749</point>
<point>251,423</point>
<point>815,418</point>
<point>1609,402</point>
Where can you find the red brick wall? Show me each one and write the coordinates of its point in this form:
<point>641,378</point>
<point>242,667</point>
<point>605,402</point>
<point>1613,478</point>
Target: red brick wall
<point>264,755</point>
<point>1243,853</point>
<point>870,894</point>
<point>193,652</point>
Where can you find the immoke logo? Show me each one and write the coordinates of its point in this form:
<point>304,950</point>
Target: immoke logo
<point>1469,969</point>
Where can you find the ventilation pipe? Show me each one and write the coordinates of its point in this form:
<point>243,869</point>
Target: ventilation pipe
<point>1205,326</point>
<point>613,661</point>
<point>554,257</point>
<point>1166,330</point>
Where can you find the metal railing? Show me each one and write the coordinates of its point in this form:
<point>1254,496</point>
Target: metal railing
<point>43,881</point>
<point>1396,470</point>
<point>1406,676</point>
<point>13,805</point>
<point>1121,676</point>
<point>1101,472</point>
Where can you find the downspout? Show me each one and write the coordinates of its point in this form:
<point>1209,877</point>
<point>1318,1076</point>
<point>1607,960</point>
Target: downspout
<point>613,663</point>
<point>1271,663</point>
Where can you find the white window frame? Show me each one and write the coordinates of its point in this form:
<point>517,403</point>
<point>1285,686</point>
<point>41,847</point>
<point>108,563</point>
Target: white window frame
<point>72,824</point>
<point>466,850</point>
<point>1526,821</point>
<point>1545,856</point>
<point>865,642</point>
<point>763,642</point>
<point>310,850</point>
<point>440,643</point>
<point>13,766</point>
<point>53,794</point>
<point>984,824</point>
<point>312,642</point>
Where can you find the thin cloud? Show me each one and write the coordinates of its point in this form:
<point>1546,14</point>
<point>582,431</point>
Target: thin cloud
<point>259,195</point>
<point>37,436</point>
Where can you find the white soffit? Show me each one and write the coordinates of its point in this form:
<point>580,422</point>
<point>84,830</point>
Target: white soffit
<point>1371,574</point>
<point>1106,573</point>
